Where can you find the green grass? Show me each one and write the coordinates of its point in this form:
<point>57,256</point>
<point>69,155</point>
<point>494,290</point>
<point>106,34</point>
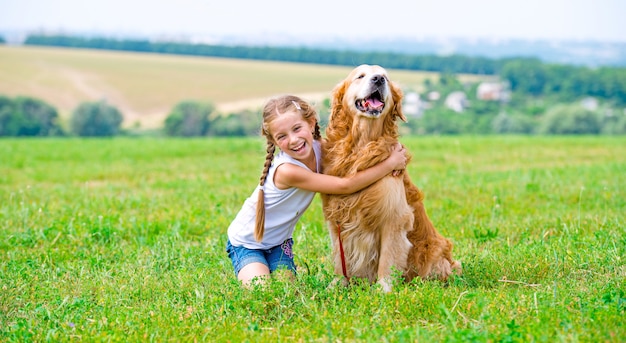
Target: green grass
<point>123,240</point>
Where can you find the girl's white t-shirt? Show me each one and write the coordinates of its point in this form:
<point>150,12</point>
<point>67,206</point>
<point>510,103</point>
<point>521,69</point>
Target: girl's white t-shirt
<point>283,208</point>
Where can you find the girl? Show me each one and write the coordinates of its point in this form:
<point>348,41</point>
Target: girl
<point>259,239</point>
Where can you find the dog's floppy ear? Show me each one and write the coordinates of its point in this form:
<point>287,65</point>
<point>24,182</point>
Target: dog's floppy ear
<point>396,94</point>
<point>340,119</point>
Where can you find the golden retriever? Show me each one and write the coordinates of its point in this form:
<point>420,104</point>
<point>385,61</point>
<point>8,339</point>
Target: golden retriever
<point>385,225</point>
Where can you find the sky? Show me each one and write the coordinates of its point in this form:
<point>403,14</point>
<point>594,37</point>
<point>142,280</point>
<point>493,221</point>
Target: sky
<point>600,20</point>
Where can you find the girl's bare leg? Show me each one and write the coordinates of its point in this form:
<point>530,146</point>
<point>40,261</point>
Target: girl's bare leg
<point>254,272</point>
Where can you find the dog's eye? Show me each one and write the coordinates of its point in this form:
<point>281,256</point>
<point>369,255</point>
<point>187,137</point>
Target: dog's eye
<point>360,76</point>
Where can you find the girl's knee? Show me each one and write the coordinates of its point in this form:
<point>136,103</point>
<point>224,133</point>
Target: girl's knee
<point>253,273</point>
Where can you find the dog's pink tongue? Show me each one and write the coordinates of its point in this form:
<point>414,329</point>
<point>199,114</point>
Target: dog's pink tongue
<point>374,103</point>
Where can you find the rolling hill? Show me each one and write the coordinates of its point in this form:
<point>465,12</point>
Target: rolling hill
<point>144,87</point>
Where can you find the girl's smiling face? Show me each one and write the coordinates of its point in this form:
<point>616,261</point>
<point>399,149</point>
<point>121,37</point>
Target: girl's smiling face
<point>293,135</point>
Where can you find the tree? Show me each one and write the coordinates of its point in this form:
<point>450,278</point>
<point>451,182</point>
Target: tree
<point>244,123</point>
<point>96,119</point>
<point>570,120</point>
<point>9,121</point>
<point>443,121</point>
<point>24,116</point>
<point>516,123</point>
<point>525,75</point>
<point>614,123</point>
<point>188,119</point>
<point>38,118</point>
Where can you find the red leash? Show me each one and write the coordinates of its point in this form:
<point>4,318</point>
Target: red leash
<point>343,257</point>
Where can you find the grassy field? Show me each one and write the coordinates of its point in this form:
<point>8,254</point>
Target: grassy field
<point>123,240</point>
<point>145,87</point>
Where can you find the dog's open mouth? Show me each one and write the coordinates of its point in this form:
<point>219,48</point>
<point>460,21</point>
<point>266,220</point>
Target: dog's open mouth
<point>373,104</point>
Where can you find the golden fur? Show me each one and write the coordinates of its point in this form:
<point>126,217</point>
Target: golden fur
<point>385,225</point>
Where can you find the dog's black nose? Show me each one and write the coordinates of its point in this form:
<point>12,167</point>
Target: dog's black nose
<point>378,80</point>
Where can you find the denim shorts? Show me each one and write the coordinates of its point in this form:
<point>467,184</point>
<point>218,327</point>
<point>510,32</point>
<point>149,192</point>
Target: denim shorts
<point>280,256</point>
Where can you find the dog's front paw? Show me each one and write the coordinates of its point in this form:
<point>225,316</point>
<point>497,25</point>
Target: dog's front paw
<point>385,283</point>
<point>457,268</point>
<point>338,280</point>
<point>444,269</point>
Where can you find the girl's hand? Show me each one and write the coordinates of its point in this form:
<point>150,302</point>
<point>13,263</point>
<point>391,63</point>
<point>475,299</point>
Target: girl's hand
<point>398,159</point>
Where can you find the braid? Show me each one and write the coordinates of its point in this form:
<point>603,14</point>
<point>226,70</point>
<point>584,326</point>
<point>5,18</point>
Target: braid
<point>259,229</point>
<point>268,161</point>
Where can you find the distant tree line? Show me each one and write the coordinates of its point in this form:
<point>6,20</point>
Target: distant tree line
<point>192,119</point>
<point>449,64</point>
<point>544,98</point>
<point>29,117</point>
<point>519,114</point>
<point>565,82</point>
<point>525,75</point>
<point>25,116</point>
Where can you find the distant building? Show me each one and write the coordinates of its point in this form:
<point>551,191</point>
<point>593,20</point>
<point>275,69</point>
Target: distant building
<point>434,96</point>
<point>493,91</point>
<point>413,105</point>
<point>589,103</point>
<point>457,101</point>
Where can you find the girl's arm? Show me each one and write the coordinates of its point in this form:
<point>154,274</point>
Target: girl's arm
<point>290,175</point>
